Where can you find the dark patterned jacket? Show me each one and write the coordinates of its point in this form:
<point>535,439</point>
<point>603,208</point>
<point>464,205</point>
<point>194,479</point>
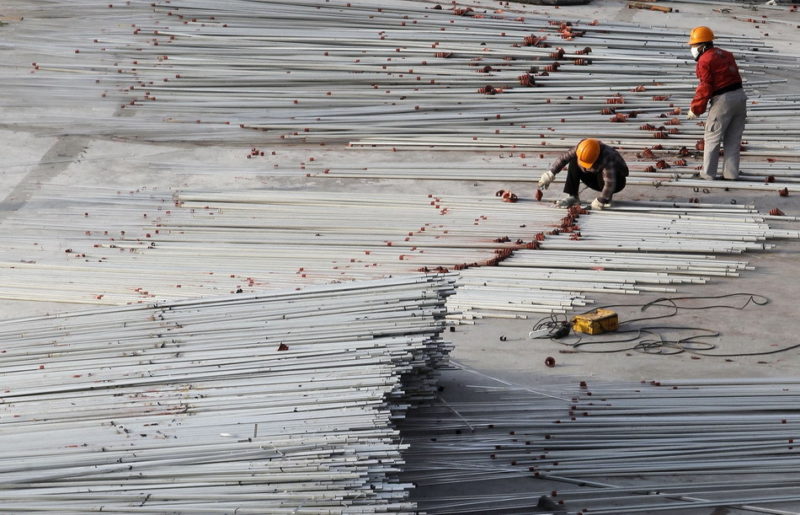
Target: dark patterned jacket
<point>609,163</point>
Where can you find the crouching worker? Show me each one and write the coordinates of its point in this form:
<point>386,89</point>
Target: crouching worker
<point>593,163</point>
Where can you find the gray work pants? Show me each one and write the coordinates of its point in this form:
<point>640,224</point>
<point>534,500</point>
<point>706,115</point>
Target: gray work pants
<point>725,125</point>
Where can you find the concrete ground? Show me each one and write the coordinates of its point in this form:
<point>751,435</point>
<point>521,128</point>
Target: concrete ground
<point>40,154</point>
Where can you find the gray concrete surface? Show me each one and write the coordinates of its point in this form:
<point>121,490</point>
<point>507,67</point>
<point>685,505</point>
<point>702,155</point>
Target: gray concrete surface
<point>37,153</point>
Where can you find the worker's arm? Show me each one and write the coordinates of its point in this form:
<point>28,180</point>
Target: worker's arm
<point>706,87</point>
<point>609,184</point>
<point>557,166</point>
<point>562,160</point>
<point>613,167</point>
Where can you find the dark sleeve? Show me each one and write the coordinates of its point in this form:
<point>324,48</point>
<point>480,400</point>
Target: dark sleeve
<point>562,160</point>
<point>609,183</point>
<point>613,166</point>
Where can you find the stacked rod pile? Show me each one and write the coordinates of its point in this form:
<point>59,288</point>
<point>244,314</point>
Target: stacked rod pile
<point>642,247</point>
<point>137,247</point>
<point>516,259</point>
<point>115,248</point>
<point>660,170</point>
<point>408,75</point>
<point>613,448</point>
<point>274,403</point>
<point>640,227</point>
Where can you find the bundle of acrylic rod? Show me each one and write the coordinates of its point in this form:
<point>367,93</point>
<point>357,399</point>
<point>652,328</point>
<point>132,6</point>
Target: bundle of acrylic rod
<point>271,403</point>
<point>661,171</point>
<point>611,448</point>
<point>714,231</point>
<point>405,75</point>
<point>117,248</point>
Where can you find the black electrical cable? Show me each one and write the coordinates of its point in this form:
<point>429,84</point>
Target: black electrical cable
<point>752,298</point>
<point>556,326</point>
<point>648,339</point>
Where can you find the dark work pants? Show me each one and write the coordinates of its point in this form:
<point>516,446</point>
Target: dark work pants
<point>576,176</point>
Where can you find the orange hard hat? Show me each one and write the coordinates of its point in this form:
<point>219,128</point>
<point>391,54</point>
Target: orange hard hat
<point>700,35</point>
<point>588,151</point>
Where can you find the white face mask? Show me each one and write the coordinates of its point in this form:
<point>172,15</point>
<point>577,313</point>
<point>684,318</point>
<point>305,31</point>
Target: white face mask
<point>695,52</point>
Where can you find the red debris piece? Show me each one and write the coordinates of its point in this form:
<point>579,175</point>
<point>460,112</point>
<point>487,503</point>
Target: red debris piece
<point>509,197</point>
<point>534,41</point>
<point>526,79</point>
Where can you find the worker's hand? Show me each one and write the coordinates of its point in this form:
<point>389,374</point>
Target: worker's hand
<point>546,179</point>
<point>597,204</point>
<point>690,115</point>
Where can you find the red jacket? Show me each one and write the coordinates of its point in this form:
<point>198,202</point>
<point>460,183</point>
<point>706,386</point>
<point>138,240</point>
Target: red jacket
<point>716,69</point>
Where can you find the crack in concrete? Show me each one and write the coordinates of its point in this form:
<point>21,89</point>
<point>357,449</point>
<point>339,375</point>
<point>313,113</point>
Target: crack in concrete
<point>65,151</point>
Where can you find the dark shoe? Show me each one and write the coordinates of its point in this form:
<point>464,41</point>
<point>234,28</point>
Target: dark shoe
<point>568,201</point>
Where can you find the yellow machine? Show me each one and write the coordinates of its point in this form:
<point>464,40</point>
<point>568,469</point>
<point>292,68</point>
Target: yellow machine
<point>595,322</point>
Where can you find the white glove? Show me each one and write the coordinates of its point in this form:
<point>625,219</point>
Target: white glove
<point>547,178</point>
<point>690,115</point>
<point>596,204</point>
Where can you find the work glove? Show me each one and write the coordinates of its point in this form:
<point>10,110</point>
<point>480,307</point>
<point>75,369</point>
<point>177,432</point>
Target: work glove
<point>690,115</point>
<point>546,179</point>
<point>597,204</point>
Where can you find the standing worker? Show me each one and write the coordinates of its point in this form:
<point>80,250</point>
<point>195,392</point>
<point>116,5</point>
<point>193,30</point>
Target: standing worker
<point>595,164</point>
<point>721,86</point>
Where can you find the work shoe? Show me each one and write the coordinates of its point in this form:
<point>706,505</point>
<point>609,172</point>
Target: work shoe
<point>568,201</point>
<point>715,178</point>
